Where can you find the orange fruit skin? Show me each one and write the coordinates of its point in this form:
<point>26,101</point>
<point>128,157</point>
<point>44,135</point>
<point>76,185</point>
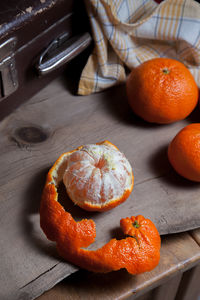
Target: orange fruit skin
<point>138,253</point>
<point>184,152</point>
<point>162,90</point>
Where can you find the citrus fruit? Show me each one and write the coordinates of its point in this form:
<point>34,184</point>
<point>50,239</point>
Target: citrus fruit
<point>138,252</point>
<point>97,177</point>
<point>162,90</point>
<point>184,152</point>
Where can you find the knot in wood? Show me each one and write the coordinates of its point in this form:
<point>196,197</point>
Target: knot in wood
<point>31,134</point>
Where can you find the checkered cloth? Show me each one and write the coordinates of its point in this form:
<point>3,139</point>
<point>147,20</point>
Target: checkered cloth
<point>129,32</point>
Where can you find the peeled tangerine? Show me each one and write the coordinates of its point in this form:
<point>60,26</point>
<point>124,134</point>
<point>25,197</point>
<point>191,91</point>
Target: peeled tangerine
<point>97,176</point>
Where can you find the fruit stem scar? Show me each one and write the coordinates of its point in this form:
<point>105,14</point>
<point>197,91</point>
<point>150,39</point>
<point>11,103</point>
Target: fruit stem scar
<point>136,224</point>
<point>166,71</point>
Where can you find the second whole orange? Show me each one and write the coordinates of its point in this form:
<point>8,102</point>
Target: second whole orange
<point>184,152</point>
<point>162,90</point>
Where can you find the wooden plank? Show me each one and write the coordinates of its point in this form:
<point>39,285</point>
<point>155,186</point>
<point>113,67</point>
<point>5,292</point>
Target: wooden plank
<point>178,253</point>
<point>168,290</point>
<point>55,121</point>
<point>189,287</point>
<point>196,235</point>
<point>147,296</point>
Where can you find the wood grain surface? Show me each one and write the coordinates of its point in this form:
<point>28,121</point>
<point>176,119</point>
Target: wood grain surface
<point>189,285</point>
<point>196,235</point>
<point>55,121</point>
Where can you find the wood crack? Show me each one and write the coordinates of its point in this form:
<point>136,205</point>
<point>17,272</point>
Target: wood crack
<point>39,276</point>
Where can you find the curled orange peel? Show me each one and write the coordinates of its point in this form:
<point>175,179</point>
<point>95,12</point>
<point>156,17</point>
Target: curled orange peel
<point>138,253</point>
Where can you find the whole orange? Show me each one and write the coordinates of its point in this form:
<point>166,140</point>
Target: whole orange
<point>162,90</point>
<point>184,152</point>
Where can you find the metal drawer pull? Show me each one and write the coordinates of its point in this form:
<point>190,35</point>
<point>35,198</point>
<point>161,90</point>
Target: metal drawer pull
<point>61,51</point>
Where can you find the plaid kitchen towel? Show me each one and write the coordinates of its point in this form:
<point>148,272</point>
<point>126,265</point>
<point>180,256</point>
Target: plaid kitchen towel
<point>129,32</point>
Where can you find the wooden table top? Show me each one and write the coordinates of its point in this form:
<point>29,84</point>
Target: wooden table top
<point>33,136</point>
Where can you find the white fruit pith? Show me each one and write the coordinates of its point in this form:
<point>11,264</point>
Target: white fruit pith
<point>97,174</point>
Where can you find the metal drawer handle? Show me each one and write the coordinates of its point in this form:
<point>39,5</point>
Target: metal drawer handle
<point>61,51</point>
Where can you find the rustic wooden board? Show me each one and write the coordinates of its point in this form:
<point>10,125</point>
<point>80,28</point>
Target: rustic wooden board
<point>55,121</point>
